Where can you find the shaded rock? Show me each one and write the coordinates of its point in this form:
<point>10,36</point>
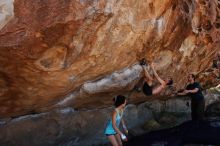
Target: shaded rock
<point>213,110</point>
<point>151,125</point>
<point>68,126</point>
<point>187,133</point>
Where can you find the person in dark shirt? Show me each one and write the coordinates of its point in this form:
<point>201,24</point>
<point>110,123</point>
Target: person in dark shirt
<point>193,89</point>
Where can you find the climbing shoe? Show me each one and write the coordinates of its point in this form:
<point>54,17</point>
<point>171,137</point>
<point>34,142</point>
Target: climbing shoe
<point>143,61</point>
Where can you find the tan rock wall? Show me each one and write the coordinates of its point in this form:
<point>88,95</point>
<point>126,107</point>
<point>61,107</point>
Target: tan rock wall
<point>50,49</point>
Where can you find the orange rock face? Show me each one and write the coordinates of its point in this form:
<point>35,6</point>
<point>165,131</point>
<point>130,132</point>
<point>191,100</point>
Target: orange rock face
<point>53,52</point>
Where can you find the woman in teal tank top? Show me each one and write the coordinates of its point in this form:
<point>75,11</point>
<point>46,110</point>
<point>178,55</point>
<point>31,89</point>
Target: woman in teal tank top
<point>112,130</point>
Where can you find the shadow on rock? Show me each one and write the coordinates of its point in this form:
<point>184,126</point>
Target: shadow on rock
<point>190,132</point>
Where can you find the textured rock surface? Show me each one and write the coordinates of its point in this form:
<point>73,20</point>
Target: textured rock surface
<point>51,50</point>
<point>6,11</point>
<point>66,127</point>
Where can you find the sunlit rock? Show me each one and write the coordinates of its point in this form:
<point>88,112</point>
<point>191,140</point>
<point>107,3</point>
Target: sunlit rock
<point>6,12</point>
<point>69,53</point>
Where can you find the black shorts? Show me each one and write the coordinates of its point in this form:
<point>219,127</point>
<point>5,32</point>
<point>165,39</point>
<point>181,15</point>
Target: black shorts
<point>197,109</point>
<point>110,134</point>
<point>148,90</point>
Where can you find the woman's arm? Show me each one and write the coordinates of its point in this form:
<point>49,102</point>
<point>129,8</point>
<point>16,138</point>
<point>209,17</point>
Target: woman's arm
<point>124,126</point>
<point>146,74</point>
<point>162,82</point>
<point>114,114</point>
